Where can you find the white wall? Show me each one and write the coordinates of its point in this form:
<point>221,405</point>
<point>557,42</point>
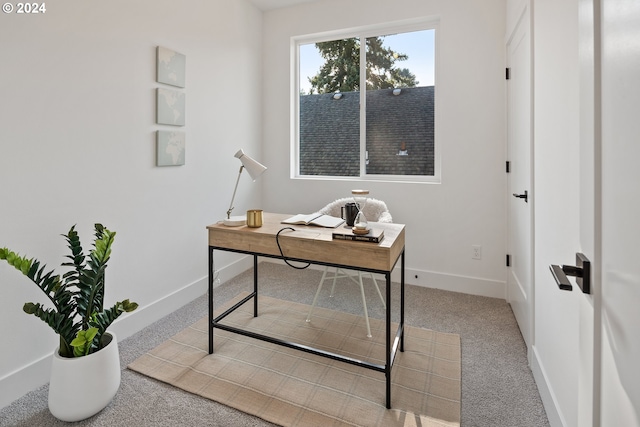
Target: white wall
<point>77,146</point>
<point>443,220</point>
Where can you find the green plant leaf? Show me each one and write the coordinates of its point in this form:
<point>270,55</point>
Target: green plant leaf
<point>90,334</point>
<point>83,342</point>
<point>77,296</point>
<point>29,308</point>
<point>129,306</point>
<point>61,323</point>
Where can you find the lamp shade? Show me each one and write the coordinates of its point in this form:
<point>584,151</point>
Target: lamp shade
<point>254,168</point>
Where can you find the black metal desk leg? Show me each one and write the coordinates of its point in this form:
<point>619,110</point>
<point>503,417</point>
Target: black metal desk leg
<point>255,286</point>
<point>402,301</point>
<point>388,343</point>
<point>211,274</point>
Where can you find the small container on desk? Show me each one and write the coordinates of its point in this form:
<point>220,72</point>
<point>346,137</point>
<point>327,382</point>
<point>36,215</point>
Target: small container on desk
<point>254,218</point>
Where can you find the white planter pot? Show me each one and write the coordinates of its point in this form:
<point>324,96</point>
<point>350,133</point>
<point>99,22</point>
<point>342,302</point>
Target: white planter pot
<point>81,387</point>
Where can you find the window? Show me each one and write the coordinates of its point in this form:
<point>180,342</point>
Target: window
<point>390,72</point>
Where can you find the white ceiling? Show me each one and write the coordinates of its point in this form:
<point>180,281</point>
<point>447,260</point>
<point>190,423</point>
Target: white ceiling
<point>276,4</point>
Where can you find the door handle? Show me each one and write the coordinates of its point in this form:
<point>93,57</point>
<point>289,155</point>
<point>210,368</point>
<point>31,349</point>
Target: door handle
<point>524,196</point>
<point>582,273</point>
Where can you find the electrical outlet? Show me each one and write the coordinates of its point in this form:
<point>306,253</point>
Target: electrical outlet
<point>477,252</point>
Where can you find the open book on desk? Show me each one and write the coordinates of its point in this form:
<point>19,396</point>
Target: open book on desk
<point>314,219</point>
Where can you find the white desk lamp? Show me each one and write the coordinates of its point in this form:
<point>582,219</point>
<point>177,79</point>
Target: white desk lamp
<point>255,169</point>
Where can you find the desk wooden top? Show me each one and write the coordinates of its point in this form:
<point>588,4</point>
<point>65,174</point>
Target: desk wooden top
<point>311,243</point>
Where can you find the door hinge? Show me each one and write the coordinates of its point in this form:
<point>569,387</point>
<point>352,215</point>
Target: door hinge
<point>508,260</point>
<point>508,168</point>
<point>508,73</point>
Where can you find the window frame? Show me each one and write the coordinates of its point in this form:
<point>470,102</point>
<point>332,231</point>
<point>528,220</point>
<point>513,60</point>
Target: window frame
<point>418,24</point>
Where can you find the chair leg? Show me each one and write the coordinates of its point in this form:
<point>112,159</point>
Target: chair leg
<point>339,275</point>
<point>315,298</point>
<point>364,305</point>
<point>375,282</point>
<point>335,276</point>
<point>364,300</point>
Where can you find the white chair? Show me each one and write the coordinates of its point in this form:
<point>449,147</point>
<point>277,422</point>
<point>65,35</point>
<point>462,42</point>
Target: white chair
<point>375,211</point>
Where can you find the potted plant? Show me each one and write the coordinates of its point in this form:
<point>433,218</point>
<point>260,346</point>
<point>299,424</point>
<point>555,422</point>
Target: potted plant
<point>85,373</point>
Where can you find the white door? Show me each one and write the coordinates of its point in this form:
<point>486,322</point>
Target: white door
<point>608,387</point>
<point>620,216</point>
<point>519,280</point>
<point>586,388</point>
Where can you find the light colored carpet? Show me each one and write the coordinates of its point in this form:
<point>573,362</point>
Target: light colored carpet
<point>294,388</point>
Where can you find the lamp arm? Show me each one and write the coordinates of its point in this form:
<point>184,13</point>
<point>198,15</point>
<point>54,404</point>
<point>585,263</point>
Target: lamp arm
<point>234,193</point>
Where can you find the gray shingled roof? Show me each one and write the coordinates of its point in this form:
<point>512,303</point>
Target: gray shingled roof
<point>330,133</point>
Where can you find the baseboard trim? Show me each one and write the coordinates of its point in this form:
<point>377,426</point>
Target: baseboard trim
<point>448,282</point>
<point>22,381</point>
<point>141,318</point>
<point>457,283</point>
<point>546,394</point>
<point>134,322</point>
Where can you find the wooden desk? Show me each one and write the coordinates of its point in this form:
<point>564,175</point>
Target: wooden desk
<point>315,245</point>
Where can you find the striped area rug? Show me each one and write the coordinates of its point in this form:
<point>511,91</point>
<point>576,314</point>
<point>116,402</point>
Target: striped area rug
<point>293,388</point>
